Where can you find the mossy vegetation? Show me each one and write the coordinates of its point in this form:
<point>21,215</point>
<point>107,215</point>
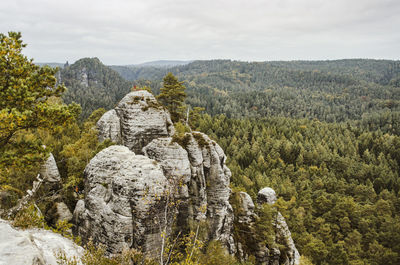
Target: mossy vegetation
<point>182,134</point>
<point>200,139</point>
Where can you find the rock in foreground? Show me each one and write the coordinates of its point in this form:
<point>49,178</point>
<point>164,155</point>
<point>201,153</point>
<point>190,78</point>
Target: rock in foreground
<point>34,246</point>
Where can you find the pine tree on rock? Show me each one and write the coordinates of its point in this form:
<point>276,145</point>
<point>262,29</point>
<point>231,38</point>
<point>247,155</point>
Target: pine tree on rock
<point>172,96</point>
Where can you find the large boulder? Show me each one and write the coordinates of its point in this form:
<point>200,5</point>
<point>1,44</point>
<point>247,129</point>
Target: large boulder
<point>136,121</point>
<point>34,246</point>
<point>124,201</point>
<point>142,120</point>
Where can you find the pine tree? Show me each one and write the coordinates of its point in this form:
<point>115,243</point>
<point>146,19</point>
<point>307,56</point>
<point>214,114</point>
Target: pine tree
<point>172,96</point>
<point>27,103</point>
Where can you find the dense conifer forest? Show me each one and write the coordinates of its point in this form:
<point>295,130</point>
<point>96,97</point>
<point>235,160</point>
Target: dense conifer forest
<point>365,92</point>
<point>338,185</point>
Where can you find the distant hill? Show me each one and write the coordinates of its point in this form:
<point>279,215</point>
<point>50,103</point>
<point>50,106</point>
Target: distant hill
<point>148,70</point>
<point>361,90</point>
<point>53,65</point>
<point>161,63</point>
<point>93,85</point>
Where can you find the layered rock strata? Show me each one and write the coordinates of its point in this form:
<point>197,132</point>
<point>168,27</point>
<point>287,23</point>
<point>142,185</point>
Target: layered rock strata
<point>152,166</point>
<point>124,198</point>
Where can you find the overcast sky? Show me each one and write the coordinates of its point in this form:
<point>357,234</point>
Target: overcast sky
<point>135,31</point>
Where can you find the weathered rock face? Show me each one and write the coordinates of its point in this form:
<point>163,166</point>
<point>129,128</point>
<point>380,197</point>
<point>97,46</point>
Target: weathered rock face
<point>63,213</point>
<point>123,200</point>
<point>117,182</point>
<point>209,188</point>
<point>109,127</point>
<point>199,167</point>
<point>284,237</point>
<point>142,120</point>
<point>49,171</point>
<point>266,195</point>
<point>265,254</point>
<point>34,246</point>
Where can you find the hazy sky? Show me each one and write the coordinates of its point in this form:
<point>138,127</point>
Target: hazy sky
<point>133,31</point>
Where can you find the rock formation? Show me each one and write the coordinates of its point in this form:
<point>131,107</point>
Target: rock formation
<point>246,219</point>
<point>123,198</point>
<point>128,187</point>
<point>34,246</point>
<point>49,172</point>
<point>142,119</point>
<point>109,127</point>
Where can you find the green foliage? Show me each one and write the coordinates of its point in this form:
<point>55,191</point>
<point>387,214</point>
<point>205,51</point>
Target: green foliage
<point>29,217</point>
<point>96,255</point>
<point>200,139</point>
<point>365,92</point>
<point>338,186</point>
<point>181,135</point>
<point>93,85</point>
<point>138,88</point>
<point>194,116</point>
<point>78,153</point>
<point>64,228</point>
<point>172,96</point>
<point>215,254</point>
<point>27,104</point>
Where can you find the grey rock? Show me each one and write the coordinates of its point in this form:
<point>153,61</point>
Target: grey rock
<point>34,246</point>
<point>142,120</point>
<point>109,127</point>
<point>49,171</point>
<point>246,215</point>
<point>209,188</point>
<point>266,195</point>
<point>174,161</point>
<point>284,237</point>
<point>246,218</point>
<point>116,184</point>
<point>62,211</point>
<point>124,201</point>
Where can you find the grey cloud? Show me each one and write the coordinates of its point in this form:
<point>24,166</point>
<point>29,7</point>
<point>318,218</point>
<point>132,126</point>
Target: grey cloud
<point>126,31</point>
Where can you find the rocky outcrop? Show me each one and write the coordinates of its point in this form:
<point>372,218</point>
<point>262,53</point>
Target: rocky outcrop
<point>124,200</point>
<point>266,195</point>
<point>34,246</point>
<point>142,120</point>
<point>49,171</point>
<point>62,211</point>
<point>209,188</point>
<point>109,127</point>
<point>251,244</point>
<point>153,167</point>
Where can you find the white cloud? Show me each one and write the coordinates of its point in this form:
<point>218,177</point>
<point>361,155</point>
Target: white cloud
<point>126,31</point>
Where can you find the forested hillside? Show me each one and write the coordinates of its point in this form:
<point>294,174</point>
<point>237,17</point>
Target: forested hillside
<point>366,91</point>
<point>338,185</point>
<point>92,84</point>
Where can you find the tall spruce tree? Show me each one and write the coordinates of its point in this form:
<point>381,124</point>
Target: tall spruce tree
<point>172,96</point>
